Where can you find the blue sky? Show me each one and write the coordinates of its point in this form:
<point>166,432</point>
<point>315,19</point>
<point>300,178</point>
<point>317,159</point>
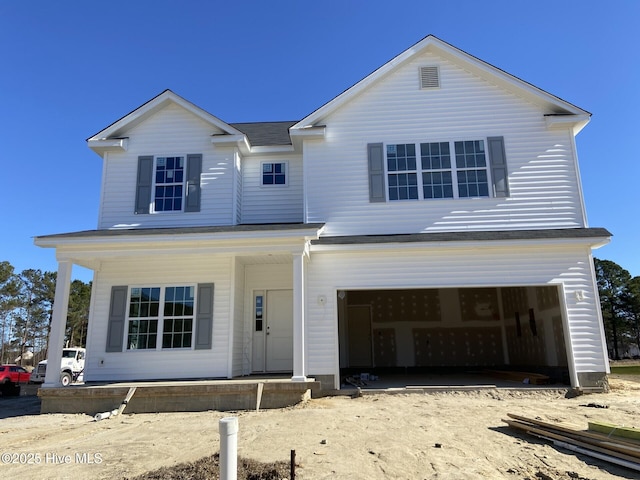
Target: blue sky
<point>68,69</point>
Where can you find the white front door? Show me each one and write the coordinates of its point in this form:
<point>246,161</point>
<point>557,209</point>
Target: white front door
<point>276,335</point>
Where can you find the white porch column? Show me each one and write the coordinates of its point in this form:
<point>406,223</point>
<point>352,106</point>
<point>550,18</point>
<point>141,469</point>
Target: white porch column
<point>299,277</point>
<point>58,324</point>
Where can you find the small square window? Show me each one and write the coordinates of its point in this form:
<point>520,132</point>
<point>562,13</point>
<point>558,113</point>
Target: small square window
<point>274,173</point>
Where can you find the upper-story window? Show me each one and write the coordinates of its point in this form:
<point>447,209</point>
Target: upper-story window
<point>437,176</point>
<point>401,167</point>
<point>274,173</point>
<point>471,165</point>
<point>169,184</point>
<point>437,181</point>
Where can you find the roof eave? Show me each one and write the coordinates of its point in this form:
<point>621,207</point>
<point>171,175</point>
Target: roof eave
<point>575,122</point>
<point>181,234</point>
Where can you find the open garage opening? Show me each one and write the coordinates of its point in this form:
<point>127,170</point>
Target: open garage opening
<point>452,331</point>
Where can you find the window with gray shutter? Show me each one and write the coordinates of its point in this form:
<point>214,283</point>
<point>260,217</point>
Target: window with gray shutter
<point>375,152</point>
<point>116,321</point>
<point>144,184</point>
<point>204,317</point>
<point>194,169</point>
<point>498,162</point>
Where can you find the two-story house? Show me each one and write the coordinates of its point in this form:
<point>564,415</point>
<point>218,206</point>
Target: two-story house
<point>431,216</point>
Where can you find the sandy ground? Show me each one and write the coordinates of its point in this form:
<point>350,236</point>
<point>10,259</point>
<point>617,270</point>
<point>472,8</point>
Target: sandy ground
<point>372,437</point>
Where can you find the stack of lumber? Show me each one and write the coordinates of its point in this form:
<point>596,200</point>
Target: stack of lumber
<point>615,430</point>
<point>610,448</point>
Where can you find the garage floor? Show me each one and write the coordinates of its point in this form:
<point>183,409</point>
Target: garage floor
<point>436,382</point>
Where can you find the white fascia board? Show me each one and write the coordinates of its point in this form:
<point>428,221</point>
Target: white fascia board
<point>98,255</point>
<point>239,140</point>
<point>593,243</point>
<point>575,122</point>
<point>272,149</point>
<point>314,132</point>
<point>93,255</point>
<point>108,144</point>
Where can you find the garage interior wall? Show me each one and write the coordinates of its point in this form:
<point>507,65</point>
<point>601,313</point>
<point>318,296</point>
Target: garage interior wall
<point>451,327</point>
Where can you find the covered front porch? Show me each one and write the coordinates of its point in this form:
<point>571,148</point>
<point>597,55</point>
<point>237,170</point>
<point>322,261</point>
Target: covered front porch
<point>223,268</point>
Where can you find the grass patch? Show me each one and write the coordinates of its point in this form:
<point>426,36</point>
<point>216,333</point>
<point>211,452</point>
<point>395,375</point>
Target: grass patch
<point>626,369</point>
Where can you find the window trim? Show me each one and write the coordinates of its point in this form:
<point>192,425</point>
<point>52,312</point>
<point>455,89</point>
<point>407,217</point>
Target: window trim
<point>453,169</point>
<point>259,310</point>
<point>403,172</point>
<point>274,185</point>
<point>160,318</point>
<point>152,206</point>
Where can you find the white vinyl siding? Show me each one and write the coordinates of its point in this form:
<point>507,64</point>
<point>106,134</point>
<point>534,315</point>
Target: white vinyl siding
<point>272,203</point>
<point>439,267</point>
<point>543,181</point>
<point>155,364</point>
<point>171,131</point>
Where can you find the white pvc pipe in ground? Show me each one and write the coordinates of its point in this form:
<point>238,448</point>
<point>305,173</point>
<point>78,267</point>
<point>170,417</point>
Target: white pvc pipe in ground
<point>228,448</point>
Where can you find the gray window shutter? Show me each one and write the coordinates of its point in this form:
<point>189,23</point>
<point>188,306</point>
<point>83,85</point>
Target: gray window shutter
<point>117,314</point>
<point>498,160</point>
<point>194,168</point>
<point>144,183</point>
<point>204,316</point>
<point>375,152</point>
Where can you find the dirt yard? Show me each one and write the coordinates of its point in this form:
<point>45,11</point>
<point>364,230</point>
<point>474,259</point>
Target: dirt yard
<point>373,437</point>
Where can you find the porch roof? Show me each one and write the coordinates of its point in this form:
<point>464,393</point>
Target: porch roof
<point>90,247</point>
<point>219,229</point>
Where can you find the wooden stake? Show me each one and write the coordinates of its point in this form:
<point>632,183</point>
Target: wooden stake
<point>126,400</point>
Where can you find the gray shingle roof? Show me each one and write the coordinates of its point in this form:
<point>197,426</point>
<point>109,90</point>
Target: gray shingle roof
<point>263,134</point>
<point>563,233</point>
<point>268,227</point>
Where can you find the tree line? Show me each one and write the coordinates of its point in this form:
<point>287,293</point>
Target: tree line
<point>26,310</point>
<point>620,304</point>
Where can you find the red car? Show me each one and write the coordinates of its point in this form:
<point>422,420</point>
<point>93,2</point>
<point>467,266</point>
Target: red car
<point>13,374</point>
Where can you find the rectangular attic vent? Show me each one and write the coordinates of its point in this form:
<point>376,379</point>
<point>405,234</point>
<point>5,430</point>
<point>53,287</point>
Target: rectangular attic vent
<point>429,77</point>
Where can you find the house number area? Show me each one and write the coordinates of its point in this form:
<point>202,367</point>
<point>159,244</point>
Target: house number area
<point>50,458</point>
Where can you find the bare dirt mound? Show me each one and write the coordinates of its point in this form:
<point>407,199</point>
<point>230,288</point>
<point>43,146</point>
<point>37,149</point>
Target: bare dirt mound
<point>208,468</point>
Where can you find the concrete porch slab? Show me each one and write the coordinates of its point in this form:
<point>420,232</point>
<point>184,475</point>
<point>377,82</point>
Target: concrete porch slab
<point>177,396</point>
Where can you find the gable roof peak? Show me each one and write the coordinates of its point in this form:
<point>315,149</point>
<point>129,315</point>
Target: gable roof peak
<point>470,63</point>
<point>157,103</point>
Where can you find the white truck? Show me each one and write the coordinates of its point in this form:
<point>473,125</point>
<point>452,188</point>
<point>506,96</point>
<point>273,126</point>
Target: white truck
<point>71,367</point>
